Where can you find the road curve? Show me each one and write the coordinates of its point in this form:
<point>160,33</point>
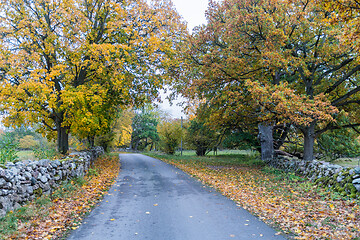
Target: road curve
<point>156,201</point>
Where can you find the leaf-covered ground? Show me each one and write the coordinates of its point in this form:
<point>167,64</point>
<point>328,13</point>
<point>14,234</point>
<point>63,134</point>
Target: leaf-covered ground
<point>294,205</point>
<point>50,217</point>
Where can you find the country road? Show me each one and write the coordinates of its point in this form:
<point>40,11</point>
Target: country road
<point>153,200</point>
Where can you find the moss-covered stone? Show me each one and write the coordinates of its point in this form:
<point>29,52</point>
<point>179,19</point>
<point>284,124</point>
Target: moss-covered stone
<point>38,192</point>
<point>320,180</point>
<point>348,179</point>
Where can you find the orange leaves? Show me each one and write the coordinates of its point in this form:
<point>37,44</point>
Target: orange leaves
<point>290,204</point>
<point>67,210</point>
<point>283,101</point>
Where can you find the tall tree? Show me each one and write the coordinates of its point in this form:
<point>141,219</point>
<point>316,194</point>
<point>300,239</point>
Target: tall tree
<point>274,62</point>
<point>144,127</point>
<point>66,64</point>
<point>202,138</point>
<point>123,129</point>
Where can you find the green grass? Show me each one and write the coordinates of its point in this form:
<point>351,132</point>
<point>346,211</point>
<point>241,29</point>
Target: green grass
<point>26,155</point>
<point>9,223</point>
<point>224,158</point>
<point>38,207</point>
<point>271,193</point>
<point>219,152</point>
<point>348,162</point>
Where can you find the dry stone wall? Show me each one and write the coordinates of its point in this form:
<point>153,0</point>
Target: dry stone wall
<point>344,180</point>
<point>23,181</point>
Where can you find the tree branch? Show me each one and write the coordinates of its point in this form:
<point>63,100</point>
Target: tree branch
<point>333,127</point>
<point>353,71</point>
<point>345,96</point>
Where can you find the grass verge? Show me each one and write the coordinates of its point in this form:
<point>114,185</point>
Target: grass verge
<point>51,217</point>
<point>295,205</point>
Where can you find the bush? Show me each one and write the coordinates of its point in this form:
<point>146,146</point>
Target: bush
<point>44,153</point>
<point>8,148</point>
<point>170,133</point>
<point>28,142</point>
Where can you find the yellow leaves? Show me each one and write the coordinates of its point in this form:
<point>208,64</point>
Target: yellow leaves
<point>285,203</point>
<point>66,211</point>
<point>61,54</point>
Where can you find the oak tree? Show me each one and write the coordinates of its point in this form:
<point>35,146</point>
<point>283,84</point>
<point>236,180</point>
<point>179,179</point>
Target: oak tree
<point>274,62</point>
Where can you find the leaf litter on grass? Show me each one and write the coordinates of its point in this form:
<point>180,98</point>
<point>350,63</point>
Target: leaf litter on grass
<point>67,209</point>
<point>290,203</point>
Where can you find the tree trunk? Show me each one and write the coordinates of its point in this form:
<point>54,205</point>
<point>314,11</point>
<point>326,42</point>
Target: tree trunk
<point>280,135</point>
<point>136,145</point>
<point>91,140</point>
<point>201,151</point>
<point>266,140</point>
<point>309,139</point>
<point>63,139</point>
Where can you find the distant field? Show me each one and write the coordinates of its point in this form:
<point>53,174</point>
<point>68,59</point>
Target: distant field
<point>219,152</point>
<point>26,155</point>
<point>348,162</point>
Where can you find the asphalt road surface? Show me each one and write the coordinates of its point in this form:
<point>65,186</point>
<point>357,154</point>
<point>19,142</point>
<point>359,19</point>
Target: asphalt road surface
<point>156,201</point>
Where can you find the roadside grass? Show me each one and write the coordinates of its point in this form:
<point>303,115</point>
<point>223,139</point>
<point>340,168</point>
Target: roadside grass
<point>348,162</point>
<point>292,204</point>
<point>219,160</point>
<point>53,216</point>
<point>219,152</point>
<point>26,155</point>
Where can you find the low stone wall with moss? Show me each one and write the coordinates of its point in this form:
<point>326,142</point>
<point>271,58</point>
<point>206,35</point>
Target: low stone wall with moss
<point>344,180</point>
<point>23,181</point>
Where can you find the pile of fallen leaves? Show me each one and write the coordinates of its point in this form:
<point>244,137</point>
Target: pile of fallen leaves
<point>296,206</point>
<point>68,207</point>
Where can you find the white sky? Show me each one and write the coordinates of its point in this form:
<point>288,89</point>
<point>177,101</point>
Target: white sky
<point>193,12</point>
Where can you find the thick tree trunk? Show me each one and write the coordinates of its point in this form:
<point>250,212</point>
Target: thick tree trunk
<point>63,139</point>
<point>309,140</point>
<point>266,140</point>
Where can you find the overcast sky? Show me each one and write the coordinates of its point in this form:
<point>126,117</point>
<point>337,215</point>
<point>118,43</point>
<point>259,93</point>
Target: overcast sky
<point>193,12</point>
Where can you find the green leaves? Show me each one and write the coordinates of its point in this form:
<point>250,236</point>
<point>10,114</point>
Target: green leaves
<point>8,148</point>
<point>69,64</point>
<point>171,134</point>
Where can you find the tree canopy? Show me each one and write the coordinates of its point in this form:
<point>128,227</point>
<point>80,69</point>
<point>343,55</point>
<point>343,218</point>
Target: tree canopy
<point>273,62</point>
<point>68,65</point>
<point>144,127</point>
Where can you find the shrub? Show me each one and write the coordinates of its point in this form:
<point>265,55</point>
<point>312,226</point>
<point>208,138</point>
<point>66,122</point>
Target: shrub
<point>8,148</point>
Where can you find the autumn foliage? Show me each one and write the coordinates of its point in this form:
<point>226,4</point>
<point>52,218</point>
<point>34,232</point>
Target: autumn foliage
<point>67,66</point>
<point>68,207</point>
<point>273,62</point>
<point>292,204</point>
